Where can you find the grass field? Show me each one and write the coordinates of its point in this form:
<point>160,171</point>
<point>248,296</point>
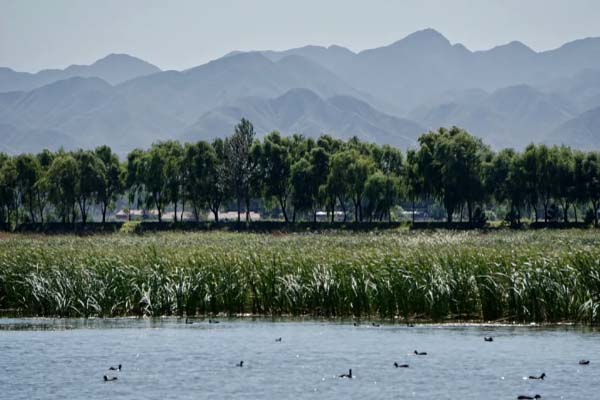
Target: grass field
<point>543,276</point>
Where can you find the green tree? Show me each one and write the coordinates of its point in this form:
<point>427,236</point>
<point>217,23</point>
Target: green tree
<point>563,182</point>
<point>242,158</point>
<point>173,174</point>
<point>152,171</point>
<point>111,182</point>
<point>591,176</point>
<point>42,189</point>
<point>531,187</point>
<point>276,164</point>
<point>339,178</point>
<point>133,178</point>
<point>357,175</point>
<point>381,193</point>
<point>303,196</point>
<point>63,177</point>
<point>413,180</point>
<point>505,180</point>
<point>90,181</point>
<point>450,162</point>
<point>29,171</point>
<point>8,190</point>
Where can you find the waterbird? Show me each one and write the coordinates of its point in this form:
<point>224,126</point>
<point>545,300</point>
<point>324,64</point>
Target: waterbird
<point>375,325</point>
<point>187,321</point>
<point>422,353</point>
<point>488,339</point>
<point>115,368</point>
<point>278,339</point>
<point>357,324</point>
<point>112,378</point>
<point>348,375</point>
<point>240,364</point>
<point>400,365</point>
<point>213,321</point>
<point>542,376</point>
<point>584,362</point>
<point>524,397</point>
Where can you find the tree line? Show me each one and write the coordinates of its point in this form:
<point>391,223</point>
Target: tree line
<point>300,176</point>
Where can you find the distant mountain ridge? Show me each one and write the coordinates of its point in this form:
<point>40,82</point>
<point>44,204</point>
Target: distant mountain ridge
<point>303,111</point>
<point>114,69</point>
<point>509,95</point>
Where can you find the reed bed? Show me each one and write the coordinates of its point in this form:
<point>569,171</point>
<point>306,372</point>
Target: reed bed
<point>541,276</point>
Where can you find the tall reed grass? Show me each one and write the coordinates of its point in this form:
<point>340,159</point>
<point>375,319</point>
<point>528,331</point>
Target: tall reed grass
<point>544,276</point>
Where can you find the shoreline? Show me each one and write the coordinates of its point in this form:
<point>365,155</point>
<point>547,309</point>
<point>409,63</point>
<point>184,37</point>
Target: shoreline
<point>365,322</point>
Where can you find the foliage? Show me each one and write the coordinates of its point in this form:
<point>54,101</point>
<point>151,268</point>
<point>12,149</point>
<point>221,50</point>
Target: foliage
<point>543,276</point>
<point>295,178</point>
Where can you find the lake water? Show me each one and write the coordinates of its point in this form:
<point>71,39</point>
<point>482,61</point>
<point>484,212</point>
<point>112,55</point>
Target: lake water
<point>168,359</point>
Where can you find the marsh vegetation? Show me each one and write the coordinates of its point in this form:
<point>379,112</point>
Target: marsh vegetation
<point>543,276</point>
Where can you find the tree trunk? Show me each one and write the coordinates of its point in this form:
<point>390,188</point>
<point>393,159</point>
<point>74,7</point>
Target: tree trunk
<point>470,211</point>
<point>283,209</point>
<point>343,209</point>
<point>413,211</point>
<point>247,210</point>
<point>31,209</point>
<point>175,211</point>
<point>239,210</point>
<point>360,210</point>
<point>104,207</point>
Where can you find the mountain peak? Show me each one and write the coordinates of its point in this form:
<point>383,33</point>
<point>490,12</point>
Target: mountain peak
<point>118,59</point>
<point>423,36</point>
<point>514,47</point>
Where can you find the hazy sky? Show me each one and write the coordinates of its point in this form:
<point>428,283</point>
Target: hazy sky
<point>37,34</point>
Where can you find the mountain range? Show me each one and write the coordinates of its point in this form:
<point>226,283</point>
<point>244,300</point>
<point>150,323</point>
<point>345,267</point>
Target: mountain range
<point>509,96</point>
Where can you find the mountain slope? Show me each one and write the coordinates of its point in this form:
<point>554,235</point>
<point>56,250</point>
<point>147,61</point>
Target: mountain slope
<point>303,111</point>
<point>425,64</point>
<point>188,94</point>
<point>508,117</point>
<point>114,69</point>
<point>581,132</point>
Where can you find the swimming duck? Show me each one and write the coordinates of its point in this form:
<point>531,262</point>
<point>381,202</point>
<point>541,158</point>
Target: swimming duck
<point>537,396</point>
<point>278,339</point>
<point>213,321</point>
<point>422,353</point>
<point>187,321</point>
<point>112,378</point>
<point>584,362</point>
<point>357,324</point>
<point>115,368</point>
<point>542,376</point>
<point>375,325</point>
<point>400,365</point>
<point>488,339</point>
<point>348,375</point>
<point>240,364</point>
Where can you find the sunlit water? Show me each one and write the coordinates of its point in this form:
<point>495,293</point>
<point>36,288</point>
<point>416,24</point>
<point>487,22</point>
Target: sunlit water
<point>167,359</point>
